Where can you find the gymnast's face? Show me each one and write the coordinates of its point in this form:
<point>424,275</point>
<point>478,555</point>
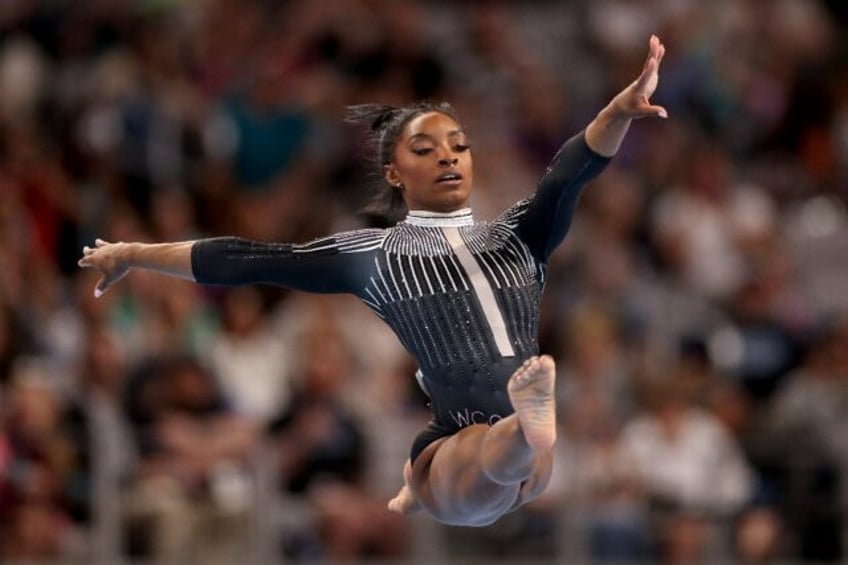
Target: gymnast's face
<point>432,162</point>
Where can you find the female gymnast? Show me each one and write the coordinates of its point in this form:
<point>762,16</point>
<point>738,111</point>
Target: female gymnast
<point>462,296</point>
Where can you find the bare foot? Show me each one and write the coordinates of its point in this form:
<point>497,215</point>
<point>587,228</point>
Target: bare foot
<point>531,390</point>
<point>404,501</point>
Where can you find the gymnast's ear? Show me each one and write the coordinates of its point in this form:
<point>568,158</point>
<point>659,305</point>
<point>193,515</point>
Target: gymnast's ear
<point>391,175</point>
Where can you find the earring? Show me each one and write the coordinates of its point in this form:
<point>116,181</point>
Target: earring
<point>400,186</point>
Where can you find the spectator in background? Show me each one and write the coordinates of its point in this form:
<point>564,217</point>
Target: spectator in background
<point>608,264</point>
<point>102,442</point>
<point>322,454</point>
<point>756,348</point>
<point>694,472</point>
<point>14,342</point>
<point>190,496</point>
<point>271,127</point>
<point>37,461</point>
<point>702,228</point>
<point>602,481</point>
<point>596,394</point>
<point>809,412</point>
<point>250,357</point>
<point>759,536</point>
<point>596,364</point>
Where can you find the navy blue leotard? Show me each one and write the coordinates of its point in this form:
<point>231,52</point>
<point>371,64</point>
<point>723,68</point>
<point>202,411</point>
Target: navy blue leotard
<point>462,296</point>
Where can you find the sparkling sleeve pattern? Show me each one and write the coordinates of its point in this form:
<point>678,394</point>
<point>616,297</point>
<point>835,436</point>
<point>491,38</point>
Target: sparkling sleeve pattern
<point>547,218</point>
<point>334,264</point>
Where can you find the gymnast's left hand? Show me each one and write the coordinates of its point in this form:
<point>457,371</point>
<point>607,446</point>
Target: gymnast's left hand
<point>634,101</point>
<point>109,259</point>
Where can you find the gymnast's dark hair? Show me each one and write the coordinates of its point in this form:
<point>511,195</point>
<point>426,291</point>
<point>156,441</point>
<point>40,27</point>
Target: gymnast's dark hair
<point>386,124</point>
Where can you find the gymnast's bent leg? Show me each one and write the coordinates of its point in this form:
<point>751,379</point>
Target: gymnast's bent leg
<point>480,473</point>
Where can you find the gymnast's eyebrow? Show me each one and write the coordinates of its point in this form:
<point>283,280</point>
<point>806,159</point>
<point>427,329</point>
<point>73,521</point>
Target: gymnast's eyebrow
<point>422,135</point>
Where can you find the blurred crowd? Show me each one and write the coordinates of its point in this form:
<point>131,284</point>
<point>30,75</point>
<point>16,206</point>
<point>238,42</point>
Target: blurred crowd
<point>698,310</point>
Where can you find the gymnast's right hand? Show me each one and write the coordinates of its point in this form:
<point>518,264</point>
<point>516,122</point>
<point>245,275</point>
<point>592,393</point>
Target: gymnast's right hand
<point>110,259</point>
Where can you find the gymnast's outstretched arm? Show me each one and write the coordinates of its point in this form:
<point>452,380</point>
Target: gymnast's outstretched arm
<point>333,264</point>
<point>584,156</point>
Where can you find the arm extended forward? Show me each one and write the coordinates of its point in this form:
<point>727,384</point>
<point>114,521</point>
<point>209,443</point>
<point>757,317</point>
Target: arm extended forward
<point>115,260</point>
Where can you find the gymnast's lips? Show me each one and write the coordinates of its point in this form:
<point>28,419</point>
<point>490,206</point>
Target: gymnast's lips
<point>450,178</point>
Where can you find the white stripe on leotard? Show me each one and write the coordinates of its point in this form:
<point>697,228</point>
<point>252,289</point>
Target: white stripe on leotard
<point>482,289</point>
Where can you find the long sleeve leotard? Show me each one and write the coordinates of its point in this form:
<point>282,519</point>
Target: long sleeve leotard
<point>462,296</point>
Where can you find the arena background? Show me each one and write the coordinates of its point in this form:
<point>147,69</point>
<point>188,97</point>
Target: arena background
<point>697,310</point>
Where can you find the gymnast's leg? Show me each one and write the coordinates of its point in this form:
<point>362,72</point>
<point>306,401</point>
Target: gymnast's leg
<point>480,473</point>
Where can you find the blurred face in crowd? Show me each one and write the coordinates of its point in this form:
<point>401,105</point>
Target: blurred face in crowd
<point>35,408</point>
<point>432,164</point>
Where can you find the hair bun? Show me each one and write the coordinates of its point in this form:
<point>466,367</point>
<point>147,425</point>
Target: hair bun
<point>384,118</point>
<point>377,116</point>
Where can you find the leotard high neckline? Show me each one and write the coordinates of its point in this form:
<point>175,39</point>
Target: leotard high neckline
<point>427,219</point>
